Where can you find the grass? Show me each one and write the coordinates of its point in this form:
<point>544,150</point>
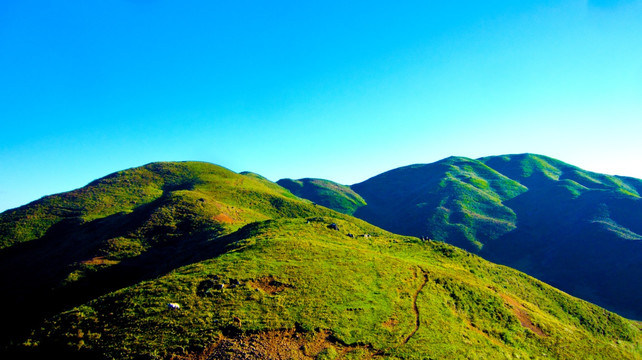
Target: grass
<point>169,224</point>
<point>356,291</point>
<point>362,290</point>
<point>327,193</point>
<point>526,211</point>
<point>456,200</point>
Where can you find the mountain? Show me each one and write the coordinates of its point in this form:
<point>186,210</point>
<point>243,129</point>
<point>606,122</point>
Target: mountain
<point>125,228</point>
<point>456,200</point>
<point>192,261</point>
<point>579,231</point>
<point>324,192</point>
<point>574,229</point>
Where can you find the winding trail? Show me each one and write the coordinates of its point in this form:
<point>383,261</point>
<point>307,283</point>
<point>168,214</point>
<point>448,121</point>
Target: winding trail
<point>415,308</point>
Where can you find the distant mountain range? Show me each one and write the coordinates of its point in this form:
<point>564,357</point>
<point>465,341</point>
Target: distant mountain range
<point>576,230</point>
<point>191,261</point>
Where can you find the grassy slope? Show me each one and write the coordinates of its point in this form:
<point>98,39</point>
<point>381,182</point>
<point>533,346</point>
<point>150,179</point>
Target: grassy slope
<point>127,227</point>
<point>98,286</point>
<point>575,229</point>
<point>324,192</point>
<point>457,200</point>
<point>578,230</point>
<point>363,291</point>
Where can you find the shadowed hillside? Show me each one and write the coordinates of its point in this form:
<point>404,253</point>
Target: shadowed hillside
<point>579,231</point>
<point>254,272</point>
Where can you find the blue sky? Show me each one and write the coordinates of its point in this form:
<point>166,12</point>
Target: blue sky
<point>312,89</point>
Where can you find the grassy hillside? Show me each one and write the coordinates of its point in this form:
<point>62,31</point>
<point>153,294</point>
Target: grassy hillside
<point>327,193</point>
<point>535,170</point>
<point>258,273</point>
<point>578,230</point>
<point>456,200</point>
<point>127,227</point>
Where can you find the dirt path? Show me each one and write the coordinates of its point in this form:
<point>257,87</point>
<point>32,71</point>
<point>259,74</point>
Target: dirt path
<point>415,308</point>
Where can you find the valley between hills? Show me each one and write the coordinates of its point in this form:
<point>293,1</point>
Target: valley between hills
<point>188,260</point>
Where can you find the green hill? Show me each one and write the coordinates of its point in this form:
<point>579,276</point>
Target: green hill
<point>327,193</point>
<point>124,228</point>
<point>456,200</point>
<point>577,230</point>
<point>256,273</point>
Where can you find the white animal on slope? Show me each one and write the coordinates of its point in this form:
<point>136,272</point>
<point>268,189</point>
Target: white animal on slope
<point>173,306</point>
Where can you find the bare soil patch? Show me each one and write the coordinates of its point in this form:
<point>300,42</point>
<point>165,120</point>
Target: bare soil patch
<point>99,260</point>
<point>224,218</point>
<point>269,285</point>
<point>277,345</point>
<point>522,315</point>
<point>390,324</point>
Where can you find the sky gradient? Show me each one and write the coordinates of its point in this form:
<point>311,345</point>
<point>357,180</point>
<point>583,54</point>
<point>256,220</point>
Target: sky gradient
<point>328,89</point>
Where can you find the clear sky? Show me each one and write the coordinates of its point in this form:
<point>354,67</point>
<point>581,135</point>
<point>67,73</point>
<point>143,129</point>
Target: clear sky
<point>341,90</point>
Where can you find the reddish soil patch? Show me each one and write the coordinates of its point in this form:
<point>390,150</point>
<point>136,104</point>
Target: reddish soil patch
<point>99,260</point>
<point>277,345</point>
<point>390,324</point>
<point>522,315</point>
<point>224,218</point>
<point>269,284</point>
